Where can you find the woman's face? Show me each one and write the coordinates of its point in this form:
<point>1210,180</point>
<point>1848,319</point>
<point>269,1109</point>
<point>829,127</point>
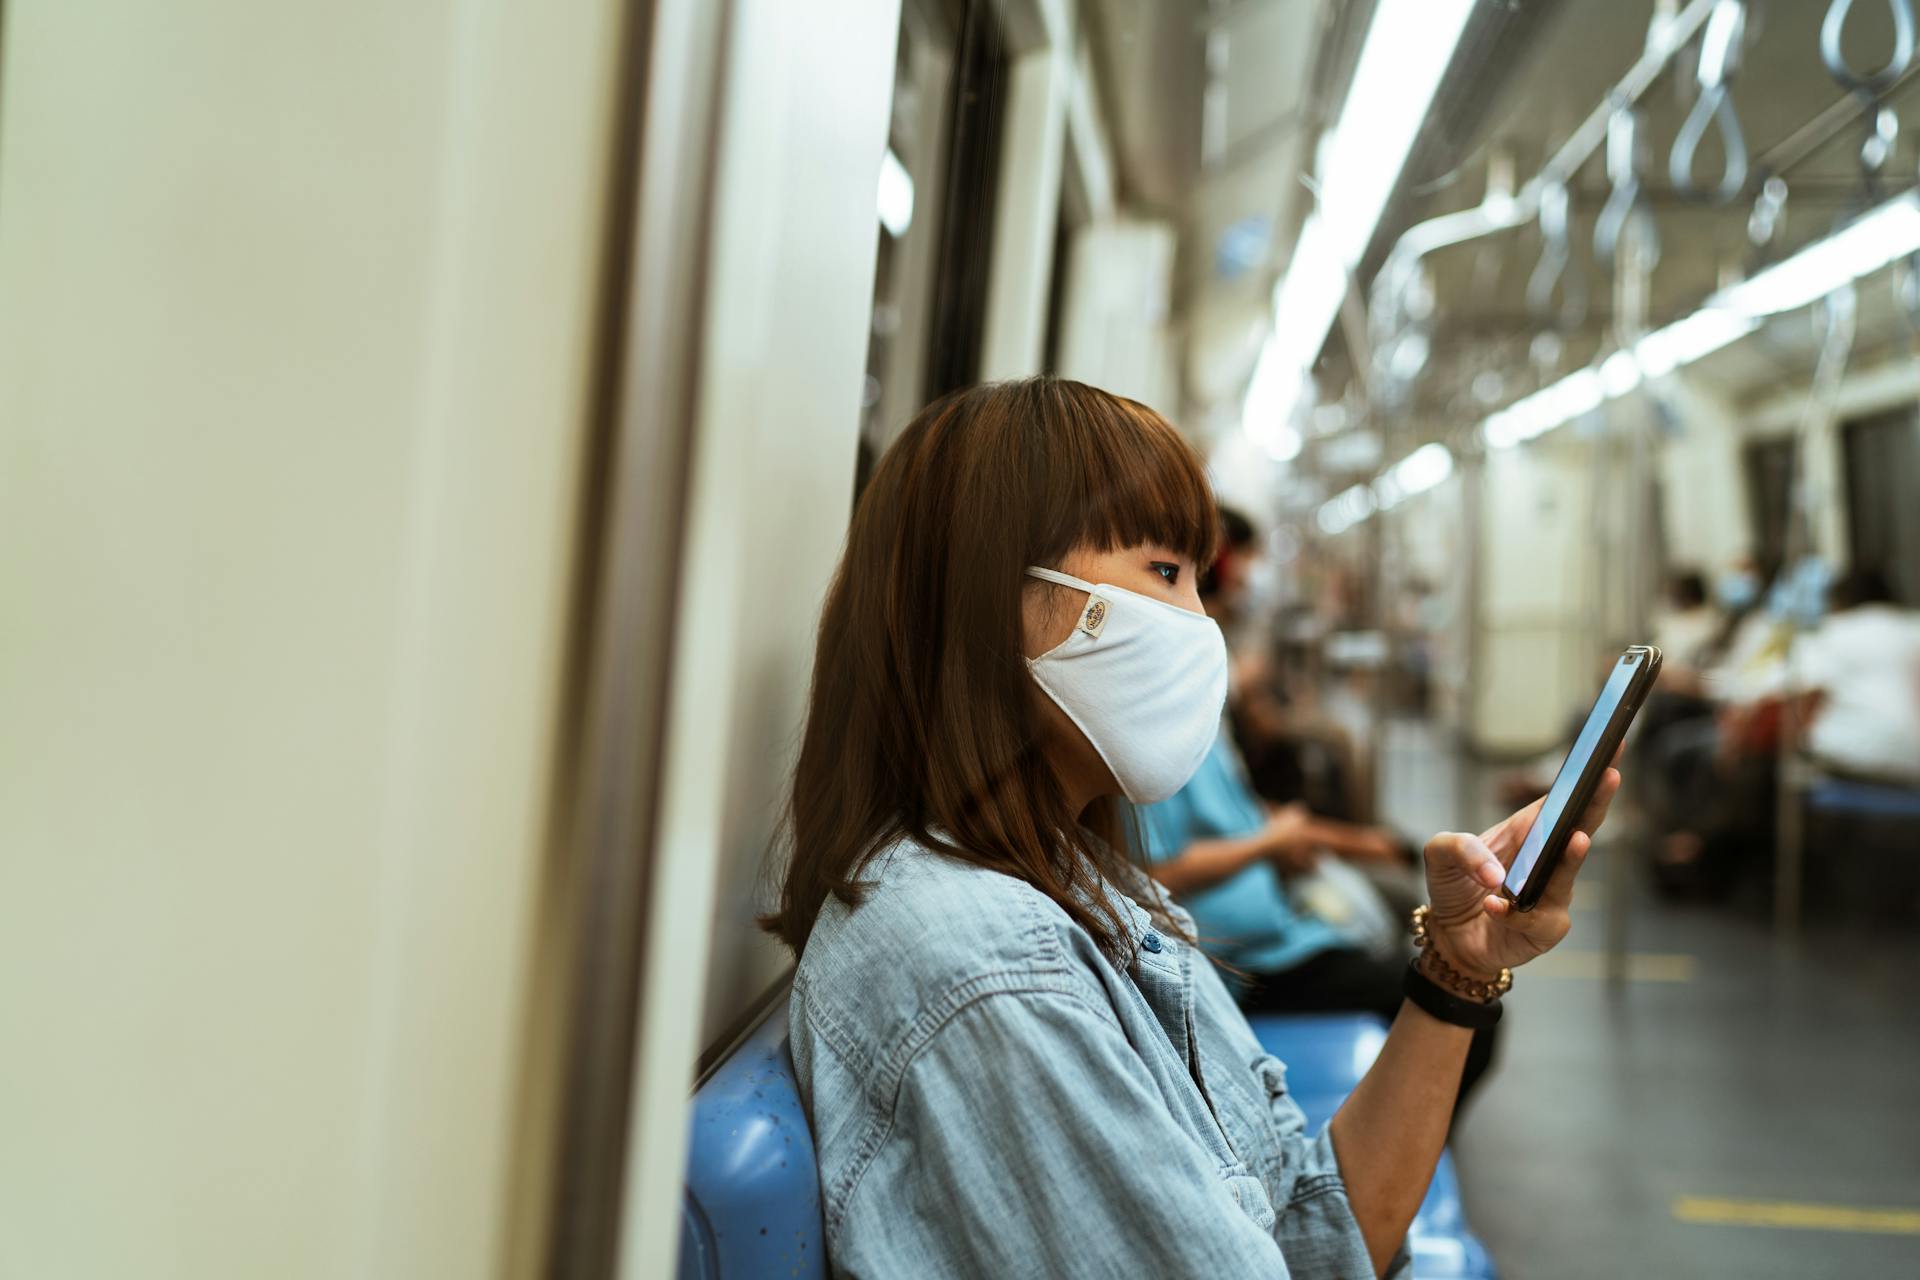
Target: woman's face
<point>1148,570</point>
<point>1050,613</point>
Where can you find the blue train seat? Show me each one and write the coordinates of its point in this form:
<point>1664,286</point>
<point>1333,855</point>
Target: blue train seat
<point>1875,806</point>
<point>1864,799</point>
<point>1326,1054</point>
<point>752,1205</point>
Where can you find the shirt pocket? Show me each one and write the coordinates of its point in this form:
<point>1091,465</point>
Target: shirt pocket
<point>1244,1104</point>
<point>1251,1195</point>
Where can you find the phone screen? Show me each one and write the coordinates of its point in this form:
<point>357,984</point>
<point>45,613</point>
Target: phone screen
<point>1569,776</point>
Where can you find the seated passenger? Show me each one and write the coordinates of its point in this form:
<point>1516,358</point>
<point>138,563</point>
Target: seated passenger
<point>1288,751</point>
<point>1013,1061</point>
<point>1863,663</point>
<point>1851,687</point>
<point>1688,627</point>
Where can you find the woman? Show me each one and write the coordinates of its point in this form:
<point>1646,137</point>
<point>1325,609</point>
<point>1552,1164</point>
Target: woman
<point>1014,1061</point>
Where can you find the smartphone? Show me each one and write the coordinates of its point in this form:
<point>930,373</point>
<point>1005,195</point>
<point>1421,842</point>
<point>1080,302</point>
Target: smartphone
<point>1626,688</point>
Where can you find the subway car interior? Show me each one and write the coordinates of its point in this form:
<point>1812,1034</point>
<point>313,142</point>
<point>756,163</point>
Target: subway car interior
<point>735,638</point>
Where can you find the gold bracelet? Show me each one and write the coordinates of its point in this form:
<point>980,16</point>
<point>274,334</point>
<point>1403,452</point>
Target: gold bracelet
<point>1445,974</point>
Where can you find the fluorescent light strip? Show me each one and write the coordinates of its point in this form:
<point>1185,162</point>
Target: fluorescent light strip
<point>1408,46</point>
<point>1346,509</point>
<point>1867,244</point>
<point>1419,471</point>
<point>1860,248</point>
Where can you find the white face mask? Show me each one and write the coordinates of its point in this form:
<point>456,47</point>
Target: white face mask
<point>1144,680</point>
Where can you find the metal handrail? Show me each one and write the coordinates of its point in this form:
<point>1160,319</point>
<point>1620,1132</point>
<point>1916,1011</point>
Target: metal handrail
<point>1503,212</point>
<point>1719,60</point>
<point>1872,83</point>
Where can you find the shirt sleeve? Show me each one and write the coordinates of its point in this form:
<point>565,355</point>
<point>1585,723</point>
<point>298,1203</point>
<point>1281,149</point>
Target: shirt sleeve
<point>1319,1221</point>
<point>1029,1138</point>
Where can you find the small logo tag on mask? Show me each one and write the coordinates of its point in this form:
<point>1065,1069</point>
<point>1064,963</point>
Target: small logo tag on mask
<point>1095,617</point>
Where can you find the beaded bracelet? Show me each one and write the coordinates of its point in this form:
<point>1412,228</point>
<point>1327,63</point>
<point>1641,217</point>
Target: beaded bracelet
<point>1445,975</point>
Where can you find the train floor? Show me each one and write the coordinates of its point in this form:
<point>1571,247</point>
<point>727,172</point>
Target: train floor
<point>1740,1106</point>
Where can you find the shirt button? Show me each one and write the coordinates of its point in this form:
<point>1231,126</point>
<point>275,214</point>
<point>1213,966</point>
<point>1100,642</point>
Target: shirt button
<point>1151,942</point>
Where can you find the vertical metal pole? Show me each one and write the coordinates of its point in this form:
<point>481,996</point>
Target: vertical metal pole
<point>1353,326</point>
<point>1378,702</point>
<point>1634,567</point>
<point>1809,498</point>
<point>1472,531</point>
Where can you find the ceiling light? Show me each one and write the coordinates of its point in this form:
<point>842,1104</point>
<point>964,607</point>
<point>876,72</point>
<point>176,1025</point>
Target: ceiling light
<point>1267,416</point>
<point>1577,393</point>
<point>1619,374</point>
<point>1422,469</point>
<point>1686,340</point>
<point>1870,242</point>
<point>1408,46</point>
<point>1345,509</point>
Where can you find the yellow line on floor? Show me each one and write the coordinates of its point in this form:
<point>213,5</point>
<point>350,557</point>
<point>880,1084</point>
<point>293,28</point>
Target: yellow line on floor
<point>1786,1213</point>
<point>1642,966</point>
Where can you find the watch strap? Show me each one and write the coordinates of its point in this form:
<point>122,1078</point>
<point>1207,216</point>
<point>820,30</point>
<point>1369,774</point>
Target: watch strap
<point>1443,1004</point>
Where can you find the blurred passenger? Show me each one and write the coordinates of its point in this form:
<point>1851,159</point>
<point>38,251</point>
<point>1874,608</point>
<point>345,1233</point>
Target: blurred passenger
<point>1304,771</point>
<point>1011,1059</point>
<point>1290,752</point>
<point>1737,589</point>
<point>1688,628</point>
<point>1863,664</point>
<point>1688,631</point>
<point>1749,630</point>
<point>1850,688</point>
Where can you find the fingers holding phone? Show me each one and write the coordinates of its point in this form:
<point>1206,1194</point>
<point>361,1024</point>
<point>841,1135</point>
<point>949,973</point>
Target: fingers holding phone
<point>1487,925</point>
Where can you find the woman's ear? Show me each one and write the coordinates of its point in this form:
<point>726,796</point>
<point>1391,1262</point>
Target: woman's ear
<point>1047,612</point>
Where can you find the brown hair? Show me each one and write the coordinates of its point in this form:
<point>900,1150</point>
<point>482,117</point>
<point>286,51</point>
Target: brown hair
<point>921,721</point>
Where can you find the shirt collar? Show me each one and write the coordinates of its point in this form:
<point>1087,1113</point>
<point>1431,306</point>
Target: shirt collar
<point>1122,896</point>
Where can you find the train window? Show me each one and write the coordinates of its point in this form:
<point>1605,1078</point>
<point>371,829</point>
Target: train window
<point>912,196</point>
<point>1882,457</point>
<point>1057,292</point>
<point>1769,467</point>
<point>967,200</point>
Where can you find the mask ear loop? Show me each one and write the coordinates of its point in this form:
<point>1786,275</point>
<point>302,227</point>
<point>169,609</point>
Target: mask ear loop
<point>1059,579</point>
<point>1109,591</point>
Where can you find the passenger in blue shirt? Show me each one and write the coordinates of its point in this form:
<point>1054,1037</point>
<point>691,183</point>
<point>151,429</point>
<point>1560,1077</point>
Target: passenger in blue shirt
<point>1227,860</point>
<point>1215,846</point>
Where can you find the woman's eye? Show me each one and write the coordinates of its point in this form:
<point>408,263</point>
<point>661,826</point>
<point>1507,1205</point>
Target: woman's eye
<point>1171,572</point>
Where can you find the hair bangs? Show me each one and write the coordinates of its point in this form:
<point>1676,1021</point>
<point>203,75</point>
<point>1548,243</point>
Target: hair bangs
<point>1116,474</point>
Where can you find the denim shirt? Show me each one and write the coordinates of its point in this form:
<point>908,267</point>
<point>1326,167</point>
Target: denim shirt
<point>992,1095</point>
